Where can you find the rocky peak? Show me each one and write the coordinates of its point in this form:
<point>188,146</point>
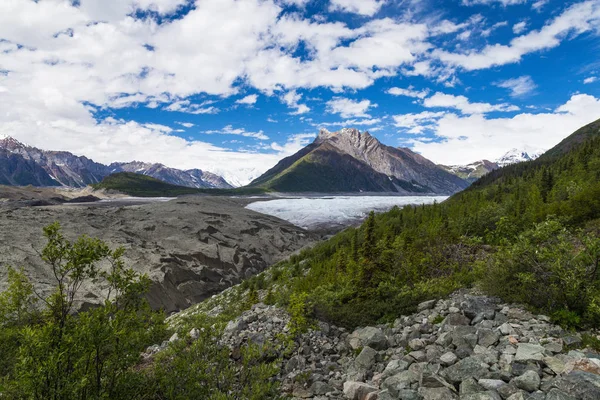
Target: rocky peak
<point>9,143</point>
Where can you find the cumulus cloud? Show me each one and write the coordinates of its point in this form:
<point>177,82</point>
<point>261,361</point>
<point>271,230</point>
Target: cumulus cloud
<point>574,21</point>
<point>348,108</point>
<point>518,86</point>
<point>463,139</point>
<point>229,130</point>
<point>248,100</point>
<point>462,103</point>
<point>292,99</point>
<point>364,7</point>
<point>409,92</point>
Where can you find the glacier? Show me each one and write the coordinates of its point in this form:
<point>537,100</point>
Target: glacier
<point>334,211</point>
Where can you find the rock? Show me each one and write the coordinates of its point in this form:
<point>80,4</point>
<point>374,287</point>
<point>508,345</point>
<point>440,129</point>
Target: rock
<point>416,344</point>
<point>294,363</point>
<point>357,390</point>
<point>426,305</point>
<point>557,365</point>
<point>366,358</point>
<point>487,337</point>
<point>506,329</point>
<point>234,326</point>
<point>491,384</point>
<point>529,352</point>
<point>572,340</point>
<point>448,359</point>
<point>556,394</point>
<point>174,338</point>
<point>369,336</point>
<point>469,386</point>
<point>517,396</point>
<point>395,366</point>
<point>529,381</point>
<point>400,381</point>
<point>431,380</point>
<point>455,319</point>
<point>441,393</point>
<point>195,334</point>
<point>321,388</point>
<point>489,395</point>
<point>581,385</point>
<point>470,367</point>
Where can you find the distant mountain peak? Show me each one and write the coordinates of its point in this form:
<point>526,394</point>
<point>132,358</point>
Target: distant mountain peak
<point>515,155</point>
<point>9,143</point>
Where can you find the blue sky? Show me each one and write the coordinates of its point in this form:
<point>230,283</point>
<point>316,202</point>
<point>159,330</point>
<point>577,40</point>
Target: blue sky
<point>232,86</point>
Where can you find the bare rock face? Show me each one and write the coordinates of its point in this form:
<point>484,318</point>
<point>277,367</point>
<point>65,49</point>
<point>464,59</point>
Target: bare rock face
<point>191,247</point>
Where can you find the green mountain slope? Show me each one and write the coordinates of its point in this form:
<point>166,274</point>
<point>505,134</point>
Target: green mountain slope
<point>145,186</point>
<point>527,232</point>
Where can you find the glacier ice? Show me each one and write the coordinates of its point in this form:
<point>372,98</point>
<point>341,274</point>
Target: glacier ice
<point>331,211</point>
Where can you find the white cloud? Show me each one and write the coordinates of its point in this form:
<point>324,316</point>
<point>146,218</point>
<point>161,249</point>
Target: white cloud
<point>519,27</point>
<point>589,80</point>
<point>518,86</point>
<point>363,7</point>
<point>410,92</point>
<point>538,5</point>
<point>351,122</point>
<point>249,100</point>
<point>292,99</point>
<point>461,103</point>
<point>186,124</point>
<point>185,106</point>
<point>465,139</point>
<point>348,108</point>
<point>294,143</point>
<point>229,130</point>
<point>575,20</point>
<point>417,123</point>
<point>491,2</point>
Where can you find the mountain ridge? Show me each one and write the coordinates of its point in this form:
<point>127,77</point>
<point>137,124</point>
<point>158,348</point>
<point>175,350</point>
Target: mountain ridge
<point>62,168</point>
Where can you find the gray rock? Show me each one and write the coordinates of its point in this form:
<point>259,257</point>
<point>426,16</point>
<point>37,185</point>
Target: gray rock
<point>195,334</point>
<point>581,385</point>
<point>556,394</point>
<point>369,336</point>
<point>489,395</point>
<point>517,396</point>
<point>487,337</point>
<point>426,305</point>
<point>437,394</point>
<point>455,319</point>
<point>321,388</point>
<point>448,359</point>
<point>366,358</point>
<point>357,390</point>
<point>491,384</point>
<point>529,381</point>
<point>529,352</point>
<point>470,367</point>
<point>469,386</point>
<point>400,381</point>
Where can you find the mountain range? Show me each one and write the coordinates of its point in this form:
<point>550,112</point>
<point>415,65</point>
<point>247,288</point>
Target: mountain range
<point>25,165</point>
<point>475,170</point>
<point>351,161</point>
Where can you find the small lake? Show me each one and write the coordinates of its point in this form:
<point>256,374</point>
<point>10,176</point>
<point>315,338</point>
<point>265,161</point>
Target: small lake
<point>334,211</point>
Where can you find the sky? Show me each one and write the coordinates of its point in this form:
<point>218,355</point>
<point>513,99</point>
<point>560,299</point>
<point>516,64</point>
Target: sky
<point>233,86</point>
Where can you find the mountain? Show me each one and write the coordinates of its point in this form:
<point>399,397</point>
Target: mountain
<point>351,161</point>
<point>194,178</point>
<point>471,172</point>
<point>140,185</point>
<point>25,165</point>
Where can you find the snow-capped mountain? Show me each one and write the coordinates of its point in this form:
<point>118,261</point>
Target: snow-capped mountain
<point>25,165</point>
<point>473,171</point>
<point>514,156</point>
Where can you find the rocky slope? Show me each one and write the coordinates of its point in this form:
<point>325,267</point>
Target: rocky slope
<point>25,165</point>
<point>192,247</point>
<point>351,161</point>
<point>468,347</point>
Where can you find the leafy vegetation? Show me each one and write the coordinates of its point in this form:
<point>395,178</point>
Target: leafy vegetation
<point>50,351</point>
<point>146,186</point>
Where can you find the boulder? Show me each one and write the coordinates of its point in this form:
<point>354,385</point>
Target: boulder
<point>529,381</point>
<point>529,352</point>
<point>470,367</point>
<point>357,390</point>
<point>369,336</point>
